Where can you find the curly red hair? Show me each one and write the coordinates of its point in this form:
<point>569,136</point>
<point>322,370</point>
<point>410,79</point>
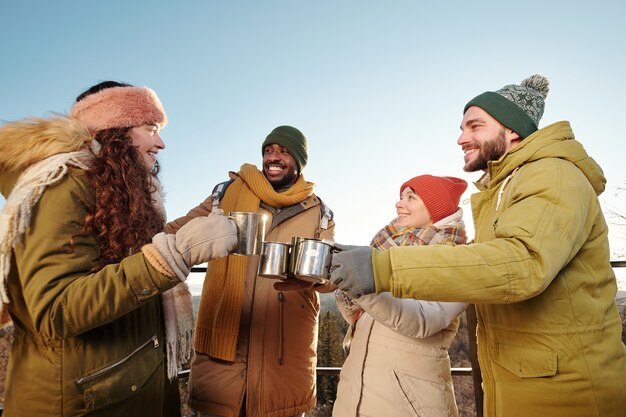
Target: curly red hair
<point>124,217</point>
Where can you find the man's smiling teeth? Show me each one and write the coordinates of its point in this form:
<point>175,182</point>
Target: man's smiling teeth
<point>274,168</point>
<point>470,150</point>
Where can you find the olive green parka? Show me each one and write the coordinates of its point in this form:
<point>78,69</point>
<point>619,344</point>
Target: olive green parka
<point>539,273</point>
<point>84,343</point>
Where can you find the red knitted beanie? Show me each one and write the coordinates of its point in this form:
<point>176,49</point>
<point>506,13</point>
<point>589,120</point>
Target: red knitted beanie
<point>441,195</point>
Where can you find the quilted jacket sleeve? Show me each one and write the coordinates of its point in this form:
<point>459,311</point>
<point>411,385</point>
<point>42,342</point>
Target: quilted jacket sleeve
<point>408,317</point>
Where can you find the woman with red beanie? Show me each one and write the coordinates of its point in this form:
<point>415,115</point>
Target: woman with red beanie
<point>398,362</point>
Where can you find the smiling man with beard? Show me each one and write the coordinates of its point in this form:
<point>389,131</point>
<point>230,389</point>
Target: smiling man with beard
<point>548,328</point>
<point>255,345</point>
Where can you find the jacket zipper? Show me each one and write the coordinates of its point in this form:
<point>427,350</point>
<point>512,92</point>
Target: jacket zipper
<point>154,340</point>
<point>281,300</point>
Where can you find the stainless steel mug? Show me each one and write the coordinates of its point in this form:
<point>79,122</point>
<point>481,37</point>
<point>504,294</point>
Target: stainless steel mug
<point>251,229</point>
<point>274,262</point>
<point>312,259</point>
<point>294,252</point>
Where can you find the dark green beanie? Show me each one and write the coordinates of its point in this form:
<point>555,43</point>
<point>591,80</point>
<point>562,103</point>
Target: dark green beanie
<point>517,107</point>
<point>291,139</point>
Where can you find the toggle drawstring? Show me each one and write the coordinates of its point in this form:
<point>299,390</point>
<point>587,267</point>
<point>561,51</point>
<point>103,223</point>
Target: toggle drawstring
<point>501,190</point>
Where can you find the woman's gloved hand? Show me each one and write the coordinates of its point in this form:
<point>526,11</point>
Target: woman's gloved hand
<point>351,270</point>
<point>200,240</point>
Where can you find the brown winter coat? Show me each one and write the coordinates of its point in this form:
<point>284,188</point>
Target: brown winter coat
<point>83,342</point>
<point>277,376</point>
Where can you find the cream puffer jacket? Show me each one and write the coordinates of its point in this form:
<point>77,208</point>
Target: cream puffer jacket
<point>398,363</point>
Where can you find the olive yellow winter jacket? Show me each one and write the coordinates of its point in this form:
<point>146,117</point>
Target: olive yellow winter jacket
<point>84,343</point>
<point>539,273</point>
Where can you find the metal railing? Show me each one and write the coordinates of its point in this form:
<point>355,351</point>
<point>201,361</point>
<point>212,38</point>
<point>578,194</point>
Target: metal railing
<point>335,370</point>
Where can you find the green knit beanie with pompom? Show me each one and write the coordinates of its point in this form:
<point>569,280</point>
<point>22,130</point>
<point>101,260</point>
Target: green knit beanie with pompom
<point>517,107</point>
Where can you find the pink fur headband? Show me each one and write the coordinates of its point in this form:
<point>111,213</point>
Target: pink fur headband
<point>120,107</point>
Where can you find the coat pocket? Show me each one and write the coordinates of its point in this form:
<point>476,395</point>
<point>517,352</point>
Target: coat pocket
<point>311,300</point>
<point>122,379</point>
<point>526,362</point>
<point>426,398</point>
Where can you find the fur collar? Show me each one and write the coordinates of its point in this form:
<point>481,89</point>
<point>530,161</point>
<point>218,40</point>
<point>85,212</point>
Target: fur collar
<point>28,141</point>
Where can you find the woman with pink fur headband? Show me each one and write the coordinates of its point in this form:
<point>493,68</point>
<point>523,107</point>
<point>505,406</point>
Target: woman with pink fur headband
<point>102,316</point>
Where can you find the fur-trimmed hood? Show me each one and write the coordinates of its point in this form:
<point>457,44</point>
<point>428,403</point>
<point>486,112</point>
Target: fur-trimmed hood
<point>25,142</point>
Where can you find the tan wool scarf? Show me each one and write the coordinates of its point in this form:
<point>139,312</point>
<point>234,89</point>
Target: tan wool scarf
<point>219,314</point>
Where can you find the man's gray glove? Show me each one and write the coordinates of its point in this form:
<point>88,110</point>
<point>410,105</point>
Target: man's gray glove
<point>351,270</point>
<point>198,241</point>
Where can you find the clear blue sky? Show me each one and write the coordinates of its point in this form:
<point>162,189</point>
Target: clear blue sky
<point>377,86</point>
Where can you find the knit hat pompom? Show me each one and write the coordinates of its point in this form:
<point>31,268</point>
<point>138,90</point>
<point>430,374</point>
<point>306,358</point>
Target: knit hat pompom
<point>441,195</point>
<point>517,107</point>
<point>291,139</point>
<point>538,83</point>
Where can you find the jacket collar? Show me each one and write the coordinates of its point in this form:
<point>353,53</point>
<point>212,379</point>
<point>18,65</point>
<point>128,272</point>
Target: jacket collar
<point>553,141</point>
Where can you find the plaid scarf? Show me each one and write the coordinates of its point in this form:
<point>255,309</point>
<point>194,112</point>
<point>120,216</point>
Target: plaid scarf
<point>392,235</point>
